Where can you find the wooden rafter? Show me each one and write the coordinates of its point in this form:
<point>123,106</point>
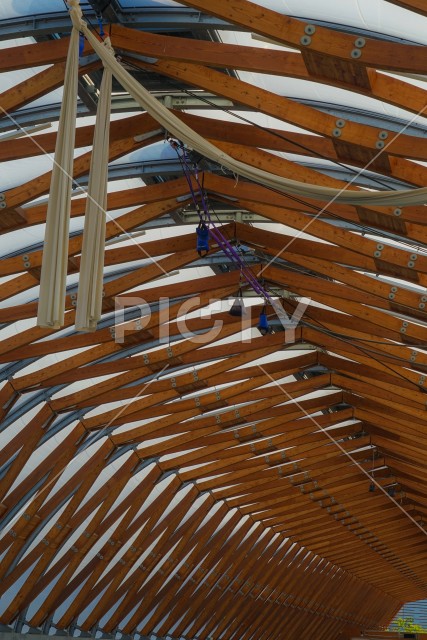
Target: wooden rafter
<point>196,478</point>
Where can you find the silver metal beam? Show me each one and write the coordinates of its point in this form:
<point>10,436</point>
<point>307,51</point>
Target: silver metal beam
<point>119,104</point>
<point>147,19</point>
<point>149,169</point>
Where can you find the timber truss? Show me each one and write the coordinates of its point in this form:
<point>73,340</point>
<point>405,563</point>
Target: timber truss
<point>203,485</point>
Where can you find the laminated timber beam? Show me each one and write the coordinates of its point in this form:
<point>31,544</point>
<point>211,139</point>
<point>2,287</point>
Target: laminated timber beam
<point>218,374</point>
<point>150,518</point>
<point>253,550</point>
<point>231,450</point>
<point>344,238</point>
<point>115,591</point>
<point>165,357</point>
<point>115,256</point>
<point>344,347</point>
<point>92,531</point>
<point>328,42</point>
<point>39,85</point>
<point>39,186</point>
<point>188,512</point>
<point>224,186</point>
<point>236,133</point>
<point>34,55</point>
<point>150,194</point>
<point>92,588</point>
<point>269,61</point>
<point>220,557</point>
<point>28,310</point>
<point>71,561</point>
<point>137,277</point>
<point>124,517</point>
<point>283,108</point>
<point>43,561</point>
<point>289,169</point>
<point>187,381</point>
<point>210,53</point>
<point>30,146</point>
<point>413,5</point>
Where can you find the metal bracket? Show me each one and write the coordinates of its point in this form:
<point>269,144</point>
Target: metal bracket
<point>392,294</point>
<point>412,259</point>
<point>359,43</point>
<point>403,327</point>
<point>378,252</point>
<point>26,260</point>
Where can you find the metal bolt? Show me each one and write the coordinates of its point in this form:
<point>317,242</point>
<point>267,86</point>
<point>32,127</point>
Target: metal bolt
<point>310,29</point>
<point>356,53</point>
<point>305,40</point>
<point>336,133</point>
<point>379,144</point>
<point>359,43</point>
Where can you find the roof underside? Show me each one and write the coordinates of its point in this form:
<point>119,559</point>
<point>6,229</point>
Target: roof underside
<point>176,472</point>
